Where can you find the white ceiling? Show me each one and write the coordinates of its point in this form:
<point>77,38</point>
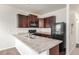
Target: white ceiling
<point>39,8</point>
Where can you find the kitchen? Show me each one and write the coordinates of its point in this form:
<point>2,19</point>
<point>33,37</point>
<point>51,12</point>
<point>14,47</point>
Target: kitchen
<point>36,31</point>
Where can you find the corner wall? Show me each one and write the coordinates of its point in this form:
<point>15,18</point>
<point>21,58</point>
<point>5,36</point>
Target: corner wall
<point>8,25</point>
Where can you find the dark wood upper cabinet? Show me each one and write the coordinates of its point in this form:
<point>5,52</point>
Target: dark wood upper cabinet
<point>49,21</point>
<point>27,21</point>
<point>22,21</point>
<point>33,21</point>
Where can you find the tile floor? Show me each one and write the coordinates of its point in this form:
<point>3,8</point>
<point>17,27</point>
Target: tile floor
<point>11,51</point>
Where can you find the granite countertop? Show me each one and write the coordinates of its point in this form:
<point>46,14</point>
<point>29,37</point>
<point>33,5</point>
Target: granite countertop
<point>37,43</point>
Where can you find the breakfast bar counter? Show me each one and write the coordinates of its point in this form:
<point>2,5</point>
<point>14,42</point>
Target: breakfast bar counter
<point>39,44</point>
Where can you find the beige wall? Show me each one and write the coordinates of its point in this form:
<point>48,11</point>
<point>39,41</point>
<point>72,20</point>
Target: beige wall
<point>8,25</point>
<point>60,15</point>
<point>72,30</point>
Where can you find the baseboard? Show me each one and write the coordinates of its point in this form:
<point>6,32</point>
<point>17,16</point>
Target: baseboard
<point>6,48</point>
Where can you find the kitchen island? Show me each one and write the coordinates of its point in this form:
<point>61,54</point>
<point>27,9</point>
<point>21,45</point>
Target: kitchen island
<point>30,45</point>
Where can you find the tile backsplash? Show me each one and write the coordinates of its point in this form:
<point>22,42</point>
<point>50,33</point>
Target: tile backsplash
<point>25,30</point>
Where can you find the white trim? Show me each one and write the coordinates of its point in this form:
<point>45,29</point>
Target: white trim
<point>67,30</point>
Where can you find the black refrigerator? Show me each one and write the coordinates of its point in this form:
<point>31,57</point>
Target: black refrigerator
<point>58,31</point>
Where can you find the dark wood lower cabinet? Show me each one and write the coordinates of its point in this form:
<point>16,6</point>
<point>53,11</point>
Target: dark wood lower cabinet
<point>54,50</point>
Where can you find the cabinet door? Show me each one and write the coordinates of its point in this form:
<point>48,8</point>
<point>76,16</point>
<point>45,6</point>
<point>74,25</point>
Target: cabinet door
<point>46,23</point>
<point>52,21</point>
<point>49,21</point>
<point>19,20</point>
<point>33,21</point>
<point>54,50</point>
<point>22,21</point>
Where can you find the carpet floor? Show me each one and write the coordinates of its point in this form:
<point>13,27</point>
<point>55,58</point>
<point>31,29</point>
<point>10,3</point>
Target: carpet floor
<point>11,51</point>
